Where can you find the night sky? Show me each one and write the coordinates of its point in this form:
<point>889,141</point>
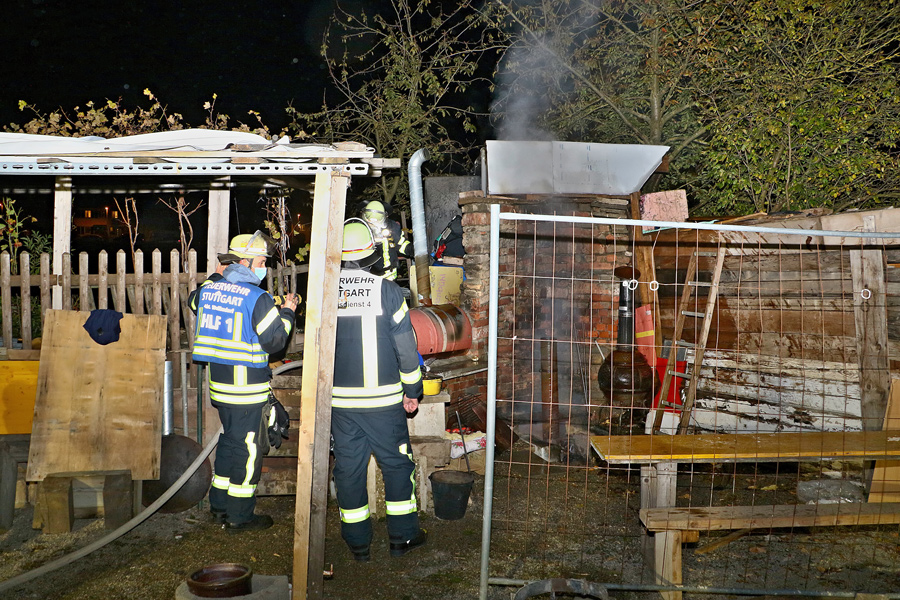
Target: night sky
<point>254,56</point>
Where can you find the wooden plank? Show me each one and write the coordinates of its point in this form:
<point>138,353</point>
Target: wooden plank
<point>762,447</point>
<point>668,561</point>
<point>871,333</point>
<point>777,365</point>
<point>329,202</point>
<point>743,418</point>
<point>8,475</point>
<point>717,518</point>
<point>85,416</point>
<point>643,260</point>
<point>885,485</point>
<point>62,232</point>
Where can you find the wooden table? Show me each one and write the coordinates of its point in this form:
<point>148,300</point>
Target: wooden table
<point>747,447</point>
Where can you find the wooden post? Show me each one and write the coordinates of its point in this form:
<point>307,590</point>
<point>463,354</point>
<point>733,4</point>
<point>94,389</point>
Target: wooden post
<point>8,476</point>
<point>643,261</point>
<point>870,315</point>
<point>62,231</point>
<point>318,370</point>
<point>217,232</point>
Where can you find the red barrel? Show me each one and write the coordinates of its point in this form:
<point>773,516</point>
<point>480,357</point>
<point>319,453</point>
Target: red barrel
<point>441,328</point>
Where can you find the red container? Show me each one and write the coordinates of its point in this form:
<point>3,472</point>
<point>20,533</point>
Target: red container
<point>674,395</point>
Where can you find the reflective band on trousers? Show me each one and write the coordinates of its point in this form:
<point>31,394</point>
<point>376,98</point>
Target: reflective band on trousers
<point>404,507</point>
<point>355,515</point>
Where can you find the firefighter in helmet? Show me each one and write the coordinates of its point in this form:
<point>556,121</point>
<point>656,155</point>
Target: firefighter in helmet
<point>238,326</point>
<point>390,239</point>
<point>376,382</point>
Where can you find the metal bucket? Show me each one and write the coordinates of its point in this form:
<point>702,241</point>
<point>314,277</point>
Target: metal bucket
<point>450,490</point>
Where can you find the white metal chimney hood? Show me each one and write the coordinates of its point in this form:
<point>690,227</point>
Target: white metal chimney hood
<point>524,167</point>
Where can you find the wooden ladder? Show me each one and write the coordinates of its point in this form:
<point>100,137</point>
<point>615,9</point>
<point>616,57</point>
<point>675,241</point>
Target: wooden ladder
<point>699,347</point>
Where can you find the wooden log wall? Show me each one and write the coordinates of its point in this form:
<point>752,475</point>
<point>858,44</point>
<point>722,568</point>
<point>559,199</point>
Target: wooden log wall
<point>783,353</point>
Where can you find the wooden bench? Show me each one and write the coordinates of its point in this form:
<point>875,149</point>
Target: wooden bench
<point>769,516</point>
<point>660,455</point>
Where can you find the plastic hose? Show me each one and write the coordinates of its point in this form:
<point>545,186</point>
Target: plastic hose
<point>114,535</point>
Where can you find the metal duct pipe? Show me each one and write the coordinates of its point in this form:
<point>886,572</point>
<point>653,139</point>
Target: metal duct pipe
<point>417,213</point>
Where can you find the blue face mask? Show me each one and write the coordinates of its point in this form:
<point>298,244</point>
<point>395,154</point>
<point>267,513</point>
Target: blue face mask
<point>260,272</point>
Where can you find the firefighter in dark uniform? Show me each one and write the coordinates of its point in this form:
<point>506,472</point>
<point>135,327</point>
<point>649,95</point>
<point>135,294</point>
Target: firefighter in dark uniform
<point>238,326</point>
<point>390,240</point>
<point>376,382</point>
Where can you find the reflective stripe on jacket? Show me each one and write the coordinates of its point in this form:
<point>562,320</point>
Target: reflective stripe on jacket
<point>226,333</point>
<point>376,362</point>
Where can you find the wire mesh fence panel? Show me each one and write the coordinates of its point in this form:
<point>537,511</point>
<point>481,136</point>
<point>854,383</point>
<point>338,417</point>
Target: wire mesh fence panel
<point>767,465</point>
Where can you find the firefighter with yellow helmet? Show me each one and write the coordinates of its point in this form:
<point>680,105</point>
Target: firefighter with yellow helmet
<point>238,326</point>
<point>390,239</point>
<point>376,382</point>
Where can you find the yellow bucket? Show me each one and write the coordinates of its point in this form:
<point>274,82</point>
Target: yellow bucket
<point>431,386</point>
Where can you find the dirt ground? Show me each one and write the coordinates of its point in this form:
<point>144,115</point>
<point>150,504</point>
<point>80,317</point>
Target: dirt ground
<point>150,562</point>
<point>548,522</point>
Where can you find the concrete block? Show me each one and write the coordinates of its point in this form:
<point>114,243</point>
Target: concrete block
<point>265,587</point>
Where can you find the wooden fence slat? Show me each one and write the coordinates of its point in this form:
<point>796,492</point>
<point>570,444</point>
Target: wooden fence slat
<point>6,301</point>
<point>67,281</point>
<point>25,290</point>
<point>135,293</point>
<point>46,294</point>
<point>103,288</point>
<point>138,306</point>
<point>85,293</point>
<point>174,315</point>
<point>120,282</point>
<point>156,290</point>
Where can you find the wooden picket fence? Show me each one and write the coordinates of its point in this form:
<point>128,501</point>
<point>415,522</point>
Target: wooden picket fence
<point>139,292</point>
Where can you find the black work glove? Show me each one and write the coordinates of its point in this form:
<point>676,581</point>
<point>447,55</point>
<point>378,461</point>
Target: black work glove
<point>278,423</point>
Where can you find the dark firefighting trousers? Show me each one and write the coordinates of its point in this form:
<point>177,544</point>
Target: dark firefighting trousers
<point>238,461</point>
<point>357,434</point>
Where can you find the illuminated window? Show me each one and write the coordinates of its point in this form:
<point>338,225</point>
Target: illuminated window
<point>87,214</point>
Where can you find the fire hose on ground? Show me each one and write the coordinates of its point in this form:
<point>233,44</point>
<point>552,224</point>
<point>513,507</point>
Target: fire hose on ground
<point>116,534</point>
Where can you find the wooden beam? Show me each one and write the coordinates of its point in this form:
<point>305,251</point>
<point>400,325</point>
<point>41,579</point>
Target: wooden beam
<point>217,230</point>
<point>713,518</point>
<point>329,202</point>
<point>747,447</point>
<point>870,315</point>
<point>62,231</point>
<point>643,261</point>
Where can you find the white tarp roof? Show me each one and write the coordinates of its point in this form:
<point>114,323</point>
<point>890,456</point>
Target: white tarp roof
<point>218,145</point>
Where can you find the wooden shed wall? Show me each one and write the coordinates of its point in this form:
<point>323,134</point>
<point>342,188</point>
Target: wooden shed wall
<point>782,352</point>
